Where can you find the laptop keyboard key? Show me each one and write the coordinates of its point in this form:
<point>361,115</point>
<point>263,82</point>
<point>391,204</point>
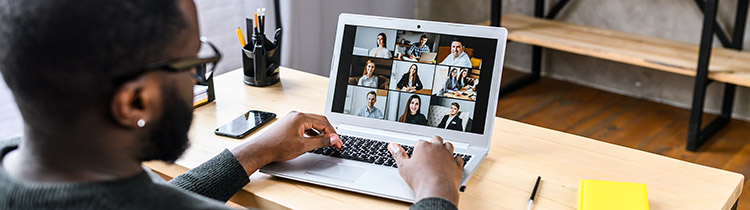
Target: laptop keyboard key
<point>370,151</point>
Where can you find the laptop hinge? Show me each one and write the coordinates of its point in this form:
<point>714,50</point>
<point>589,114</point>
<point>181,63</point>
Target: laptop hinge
<point>393,134</point>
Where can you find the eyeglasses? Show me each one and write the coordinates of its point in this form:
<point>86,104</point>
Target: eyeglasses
<point>201,67</point>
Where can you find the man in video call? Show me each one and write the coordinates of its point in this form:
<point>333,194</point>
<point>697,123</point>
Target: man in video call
<point>370,110</point>
<point>452,121</point>
<point>416,49</point>
<point>94,113</point>
<point>457,57</point>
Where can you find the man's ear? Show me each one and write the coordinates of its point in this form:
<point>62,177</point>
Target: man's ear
<point>135,103</point>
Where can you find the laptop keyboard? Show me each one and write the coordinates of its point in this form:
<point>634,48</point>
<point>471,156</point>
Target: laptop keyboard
<point>370,151</point>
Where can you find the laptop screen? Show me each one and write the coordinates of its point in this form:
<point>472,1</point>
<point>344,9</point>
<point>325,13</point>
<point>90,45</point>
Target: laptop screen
<point>429,79</point>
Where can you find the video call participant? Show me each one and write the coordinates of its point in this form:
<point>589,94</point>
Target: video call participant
<point>111,114</point>
<point>452,121</point>
<point>381,51</point>
<point>464,81</point>
<point>410,80</point>
<point>457,57</point>
<point>451,83</point>
<point>370,110</point>
<point>412,113</point>
<point>368,79</point>
<point>416,49</point>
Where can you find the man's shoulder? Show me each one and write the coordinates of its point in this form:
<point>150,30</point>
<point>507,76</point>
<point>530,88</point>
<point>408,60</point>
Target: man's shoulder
<point>129,193</point>
<point>170,197</point>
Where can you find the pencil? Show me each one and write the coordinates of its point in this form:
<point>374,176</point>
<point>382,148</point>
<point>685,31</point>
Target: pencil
<point>240,37</point>
<point>255,22</point>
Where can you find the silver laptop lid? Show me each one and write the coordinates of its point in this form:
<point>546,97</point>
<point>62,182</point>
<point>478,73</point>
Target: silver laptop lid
<point>377,80</point>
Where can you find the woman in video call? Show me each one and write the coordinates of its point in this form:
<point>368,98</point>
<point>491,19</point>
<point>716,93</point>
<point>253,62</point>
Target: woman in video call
<point>464,81</point>
<point>412,112</point>
<point>410,80</point>
<point>451,83</point>
<point>380,51</point>
<point>368,79</point>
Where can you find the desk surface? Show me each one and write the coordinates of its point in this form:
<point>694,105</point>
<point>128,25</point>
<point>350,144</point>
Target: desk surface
<point>519,153</point>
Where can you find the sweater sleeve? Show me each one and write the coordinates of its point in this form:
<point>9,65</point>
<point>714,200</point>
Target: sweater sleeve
<point>433,203</point>
<point>218,178</point>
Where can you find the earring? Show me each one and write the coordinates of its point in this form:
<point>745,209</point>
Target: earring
<point>141,122</point>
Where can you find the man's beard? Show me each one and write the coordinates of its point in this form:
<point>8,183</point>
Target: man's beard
<point>168,139</point>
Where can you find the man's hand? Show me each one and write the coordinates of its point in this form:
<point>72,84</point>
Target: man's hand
<point>432,171</point>
<point>289,138</point>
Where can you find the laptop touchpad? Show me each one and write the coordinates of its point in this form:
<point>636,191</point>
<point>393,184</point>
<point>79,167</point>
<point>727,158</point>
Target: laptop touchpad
<point>336,171</point>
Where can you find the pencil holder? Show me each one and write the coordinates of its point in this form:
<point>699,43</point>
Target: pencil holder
<point>261,60</point>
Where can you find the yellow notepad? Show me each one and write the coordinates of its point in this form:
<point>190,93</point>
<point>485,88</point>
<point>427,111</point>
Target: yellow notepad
<point>595,195</point>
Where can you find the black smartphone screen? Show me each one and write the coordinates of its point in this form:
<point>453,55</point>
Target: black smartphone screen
<point>244,124</point>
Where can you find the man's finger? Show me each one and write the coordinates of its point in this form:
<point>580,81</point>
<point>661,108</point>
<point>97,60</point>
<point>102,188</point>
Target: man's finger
<point>325,128</point>
<point>448,146</point>
<point>398,153</point>
<point>319,141</point>
<point>459,162</point>
<point>437,140</point>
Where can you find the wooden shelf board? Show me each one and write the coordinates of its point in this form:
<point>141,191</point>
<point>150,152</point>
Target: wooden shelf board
<point>727,65</point>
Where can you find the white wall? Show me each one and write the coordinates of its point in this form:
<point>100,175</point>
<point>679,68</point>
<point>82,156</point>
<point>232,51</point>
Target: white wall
<point>11,123</point>
<point>218,21</point>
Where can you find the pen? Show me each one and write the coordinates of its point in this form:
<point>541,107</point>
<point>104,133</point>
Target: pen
<point>262,20</point>
<point>533,192</point>
<point>240,37</point>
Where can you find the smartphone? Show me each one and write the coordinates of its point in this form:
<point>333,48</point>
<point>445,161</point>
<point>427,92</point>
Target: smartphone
<point>245,124</point>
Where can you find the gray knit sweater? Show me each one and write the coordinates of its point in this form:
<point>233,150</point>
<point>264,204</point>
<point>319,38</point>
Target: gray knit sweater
<point>207,186</point>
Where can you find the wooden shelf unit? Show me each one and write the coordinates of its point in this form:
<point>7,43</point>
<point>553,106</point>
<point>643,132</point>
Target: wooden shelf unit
<point>727,64</point>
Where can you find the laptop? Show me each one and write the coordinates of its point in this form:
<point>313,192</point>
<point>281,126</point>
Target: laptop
<point>366,126</point>
<point>427,57</point>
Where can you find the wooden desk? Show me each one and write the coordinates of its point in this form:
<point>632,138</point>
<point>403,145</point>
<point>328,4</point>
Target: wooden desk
<point>519,154</point>
<point>422,91</point>
<point>458,95</point>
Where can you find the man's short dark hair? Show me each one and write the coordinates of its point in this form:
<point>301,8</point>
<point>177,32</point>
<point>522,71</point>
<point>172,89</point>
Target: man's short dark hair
<point>459,41</point>
<point>373,93</point>
<point>456,104</point>
<point>61,58</point>
<point>424,36</point>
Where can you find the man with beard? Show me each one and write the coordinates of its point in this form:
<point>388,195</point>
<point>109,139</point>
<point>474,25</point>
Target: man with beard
<point>103,85</point>
<point>458,56</point>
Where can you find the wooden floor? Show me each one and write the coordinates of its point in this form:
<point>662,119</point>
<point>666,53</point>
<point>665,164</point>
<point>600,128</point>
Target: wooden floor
<point>627,121</point>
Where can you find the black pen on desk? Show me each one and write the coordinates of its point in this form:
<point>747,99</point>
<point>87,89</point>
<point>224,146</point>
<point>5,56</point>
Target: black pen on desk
<point>533,193</point>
